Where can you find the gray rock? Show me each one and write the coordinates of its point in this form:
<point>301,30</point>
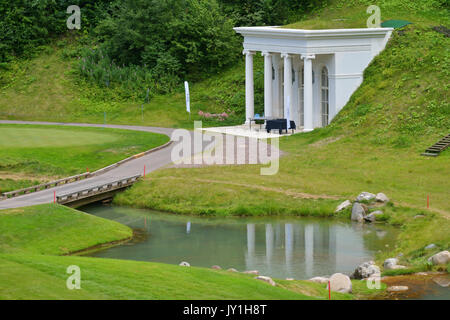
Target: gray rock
<point>442,257</point>
<point>357,212</point>
<point>366,270</point>
<point>391,264</point>
<point>215,267</point>
<point>365,196</point>
<point>430,246</point>
<point>419,216</point>
<point>381,197</point>
<point>185,264</point>
<point>255,272</point>
<point>344,205</point>
<point>443,282</point>
<point>290,279</point>
<point>232,270</point>
<point>397,288</point>
<point>340,283</point>
<point>266,279</point>
<point>372,217</point>
<point>321,280</point>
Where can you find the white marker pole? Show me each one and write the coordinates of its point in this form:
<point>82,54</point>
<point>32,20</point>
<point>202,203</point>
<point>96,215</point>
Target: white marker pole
<point>188,102</point>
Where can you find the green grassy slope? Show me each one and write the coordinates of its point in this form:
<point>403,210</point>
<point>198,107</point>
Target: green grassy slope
<point>48,88</point>
<point>33,238</point>
<point>56,230</point>
<point>32,154</point>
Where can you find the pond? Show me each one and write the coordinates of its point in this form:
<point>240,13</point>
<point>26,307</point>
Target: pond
<point>292,247</point>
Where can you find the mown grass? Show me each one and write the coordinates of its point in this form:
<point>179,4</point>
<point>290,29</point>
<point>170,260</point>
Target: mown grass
<point>33,238</point>
<point>54,151</point>
<point>56,230</point>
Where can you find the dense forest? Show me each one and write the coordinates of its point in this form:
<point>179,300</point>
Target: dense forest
<point>143,43</point>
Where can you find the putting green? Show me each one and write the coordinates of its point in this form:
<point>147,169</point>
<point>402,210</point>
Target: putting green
<point>51,137</point>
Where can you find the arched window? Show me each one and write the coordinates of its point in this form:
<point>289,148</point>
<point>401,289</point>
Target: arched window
<point>325,95</point>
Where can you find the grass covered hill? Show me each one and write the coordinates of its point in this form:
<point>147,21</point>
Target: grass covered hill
<point>33,239</point>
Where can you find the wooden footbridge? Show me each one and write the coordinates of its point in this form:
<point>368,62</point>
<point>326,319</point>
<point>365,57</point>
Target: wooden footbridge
<point>95,193</point>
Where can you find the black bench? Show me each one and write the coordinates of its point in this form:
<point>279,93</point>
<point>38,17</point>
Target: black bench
<point>280,125</point>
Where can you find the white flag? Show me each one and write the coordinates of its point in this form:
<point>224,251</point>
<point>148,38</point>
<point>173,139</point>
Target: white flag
<point>188,100</point>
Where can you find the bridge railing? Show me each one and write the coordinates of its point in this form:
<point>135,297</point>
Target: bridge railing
<point>92,191</point>
<point>15,193</point>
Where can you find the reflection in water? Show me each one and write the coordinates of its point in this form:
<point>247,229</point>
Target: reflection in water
<point>296,247</point>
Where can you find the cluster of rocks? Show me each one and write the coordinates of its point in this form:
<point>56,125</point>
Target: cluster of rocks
<point>362,206</point>
<point>338,282</point>
<point>269,280</point>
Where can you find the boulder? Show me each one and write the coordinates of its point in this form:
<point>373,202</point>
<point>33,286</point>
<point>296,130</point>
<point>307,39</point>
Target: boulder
<point>255,272</point>
<point>442,257</point>
<point>340,283</point>
<point>358,212</point>
<point>344,205</point>
<point>185,264</point>
<point>266,279</point>
<point>381,197</point>
<point>321,280</point>
<point>290,279</point>
<point>371,217</point>
<point>366,270</point>
<point>232,270</point>
<point>365,196</point>
<point>443,282</point>
<point>430,246</point>
<point>391,264</point>
<point>419,216</point>
<point>215,267</point>
<point>397,288</point>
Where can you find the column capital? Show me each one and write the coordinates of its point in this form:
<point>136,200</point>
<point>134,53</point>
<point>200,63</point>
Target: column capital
<point>285,55</point>
<point>308,56</point>
<point>248,52</point>
<point>266,54</point>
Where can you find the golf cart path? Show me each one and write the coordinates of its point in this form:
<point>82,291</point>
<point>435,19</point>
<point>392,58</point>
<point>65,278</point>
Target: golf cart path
<point>152,161</point>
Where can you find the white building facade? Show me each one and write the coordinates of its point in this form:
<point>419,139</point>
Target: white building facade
<point>311,72</point>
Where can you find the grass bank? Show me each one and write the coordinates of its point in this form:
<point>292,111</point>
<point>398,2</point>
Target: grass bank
<point>34,153</point>
<point>31,266</point>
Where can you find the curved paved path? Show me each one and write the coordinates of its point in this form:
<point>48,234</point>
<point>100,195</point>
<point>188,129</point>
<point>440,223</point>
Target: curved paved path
<point>152,161</point>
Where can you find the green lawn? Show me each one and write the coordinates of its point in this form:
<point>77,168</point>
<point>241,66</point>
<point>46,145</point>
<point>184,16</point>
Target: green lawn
<point>56,230</point>
<point>31,266</point>
<point>32,152</point>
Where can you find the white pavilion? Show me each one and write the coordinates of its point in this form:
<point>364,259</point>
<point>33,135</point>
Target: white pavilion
<point>311,72</point>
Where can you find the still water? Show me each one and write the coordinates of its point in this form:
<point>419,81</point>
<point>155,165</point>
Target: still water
<point>298,248</point>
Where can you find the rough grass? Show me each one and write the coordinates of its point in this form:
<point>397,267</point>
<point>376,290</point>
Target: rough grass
<point>52,151</point>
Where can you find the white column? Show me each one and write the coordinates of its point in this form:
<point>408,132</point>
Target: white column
<point>249,93</point>
<point>287,82</point>
<point>267,84</point>
<point>308,92</point>
<point>276,86</point>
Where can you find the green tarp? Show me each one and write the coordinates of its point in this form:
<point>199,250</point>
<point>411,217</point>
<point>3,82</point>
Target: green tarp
<point>395,24</point>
